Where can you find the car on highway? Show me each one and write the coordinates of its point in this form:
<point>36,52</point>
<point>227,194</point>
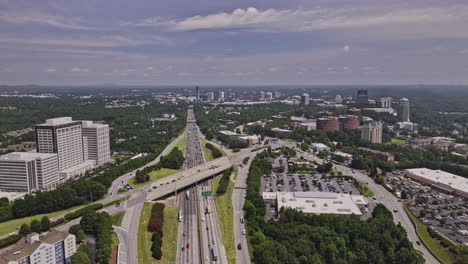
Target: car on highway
<point>418,243</point>
<point>239,246</point>
<point>187,245</point>
<point>244,232</point>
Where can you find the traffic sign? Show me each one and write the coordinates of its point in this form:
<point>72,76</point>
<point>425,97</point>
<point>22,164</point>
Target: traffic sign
<point>208,193</point>
<point>240,187</point>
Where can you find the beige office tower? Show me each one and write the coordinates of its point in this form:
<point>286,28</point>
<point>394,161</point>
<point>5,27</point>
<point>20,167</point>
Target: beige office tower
<point>64,137</point>
<point>96,142</point>
<point>372,132</point>
<point>28,171</point>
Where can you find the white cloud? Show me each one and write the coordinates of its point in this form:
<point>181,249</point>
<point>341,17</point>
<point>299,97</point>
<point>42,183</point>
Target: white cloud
<point>383,19</point>
<point>346,48</point>
<point>51,70</point>
<point>78,69</point>
<point>25,17</point>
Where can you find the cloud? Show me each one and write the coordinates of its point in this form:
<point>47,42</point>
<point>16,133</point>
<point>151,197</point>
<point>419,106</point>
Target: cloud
<point>51,70</point>
<point>377,17</point>
<point>346,48</point>
<point>78,69</point>
<point>28,17</point>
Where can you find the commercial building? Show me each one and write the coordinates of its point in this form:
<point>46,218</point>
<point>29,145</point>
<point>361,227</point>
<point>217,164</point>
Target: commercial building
<point>210,96</point>
<point>349,122</point>
<point>250,140</point>
<point>227,133</point>
<point>64,137</point>
<point>385,156</point>
<point>381,110</point>
<point>96,137</point>
<point>385,102</point>
<point>372,132</point>
<point>404,110</point>
<point>328,124</point>
<point>362,96</point>
<point>220,96</point>
<point>319,147</point>
<point>262,95</point>
<point>53,247</point>
<point>269,96</point>
<point>197,94</point>
<point>338,99</point>
<point>28,171</point>
<point>354,111</point>
<point>440,180</point>
<point>276,95</point>
<point>305,99</point>
<point>308,126</point>
<point>408,126</point>
<point>281,131</point>
<point>320,202</point>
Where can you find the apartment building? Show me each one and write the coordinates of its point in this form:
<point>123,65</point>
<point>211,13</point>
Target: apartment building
<point>372,132</point>
<point>53,247</point>
<point>96,138</point>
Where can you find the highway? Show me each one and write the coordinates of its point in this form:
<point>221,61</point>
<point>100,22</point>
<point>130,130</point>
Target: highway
<point>381,196</point>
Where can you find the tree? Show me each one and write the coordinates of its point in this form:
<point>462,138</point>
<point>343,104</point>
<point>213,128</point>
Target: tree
<point>24,229</point>
<point>80,236</point>
<point>80,258</point>
<point>36,226</point>
<point>156,253</point>
<point>45,223</point>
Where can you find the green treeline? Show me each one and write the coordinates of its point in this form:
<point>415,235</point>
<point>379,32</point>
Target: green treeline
<point>214,150</point>
<point>224,182</point>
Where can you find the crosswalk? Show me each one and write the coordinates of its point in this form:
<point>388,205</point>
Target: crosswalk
<point>127,219</point>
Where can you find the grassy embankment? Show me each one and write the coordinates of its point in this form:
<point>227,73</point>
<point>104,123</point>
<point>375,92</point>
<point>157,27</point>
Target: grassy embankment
<point>225,213</point>
<point>208,153</point>
<point>363,189</point>
<point>170,228</point>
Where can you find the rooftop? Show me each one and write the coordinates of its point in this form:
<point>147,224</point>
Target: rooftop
<point>26,156</point>
<point>321,202</point>
<point>438,176</point>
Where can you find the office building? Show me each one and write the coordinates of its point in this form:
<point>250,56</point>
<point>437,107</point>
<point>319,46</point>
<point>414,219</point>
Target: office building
<point>349,122</point>
<point>269,96</point>
<point>262,95</point>
<point>220,96</point>
<point>362,96</point>
<point>53,247</point>
<point>372,132</point>
<point>408,126</point>
<point>305,99</point>
<point>440,180</point>
<point>338,99</point>
<point>404,110</point>
<point>210,96</point>
<point>328,124</point>
<point>28,171</point>
<point>276,95</point>
<point>250,140</point>
<point>96,138</point>
<point>385,102</point>
<point>354,111</point>
<point>385,156</point>
<point>64,137</point>
<point>197,94</point>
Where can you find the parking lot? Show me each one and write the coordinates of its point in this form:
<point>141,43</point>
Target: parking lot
<point>446,214</point>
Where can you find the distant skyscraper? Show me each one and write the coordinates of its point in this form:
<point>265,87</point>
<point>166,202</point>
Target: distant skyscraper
<point>262,95</point>
<point>221,96</point>
<point>404,110</point>
<point>386,102</point>
<point>210,96</point>
<point>372,132</point>
<point>362,96</point>
<point>64,137</point>
<point>276,95</point>
<point>305,99</point>
<point>198,94</point>
<point>269,96</point>
<point>338,99</point>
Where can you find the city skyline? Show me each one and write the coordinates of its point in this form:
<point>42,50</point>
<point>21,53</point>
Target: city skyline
<point>274,42</point>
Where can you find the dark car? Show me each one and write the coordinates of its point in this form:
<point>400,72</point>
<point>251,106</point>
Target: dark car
<point>239,246</point>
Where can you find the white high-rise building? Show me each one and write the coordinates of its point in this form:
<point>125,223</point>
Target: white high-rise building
<point>96,138</point>
<point>269,96</point>
<point>372,132</point>
<point>276,95</point>
<point>28,171</point>
<point>64,137</point>
<point>210,96</point>
<point>386,102</point>
<point>404,110</point>
<point>221,96</point>
<point>305,99</point>
<point>262,95</point>
<point>338,99</point>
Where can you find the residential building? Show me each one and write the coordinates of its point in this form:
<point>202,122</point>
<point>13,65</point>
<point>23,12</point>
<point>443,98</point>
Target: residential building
<point>386,102</point>
<point>328,124</point>
<point>385,156</point>
<point>28,171</point>
<point>362,96</point>
<point>210,96</point>
<point>404,110</point>
<point>53,247</point>
<point>441,180</point>
<point>64,137</point>
<point>372,132</point>
<point>96,136</point>
<point>220,96</point>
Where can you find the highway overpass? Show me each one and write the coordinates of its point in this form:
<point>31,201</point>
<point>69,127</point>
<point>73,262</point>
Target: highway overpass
<point>170,184</point>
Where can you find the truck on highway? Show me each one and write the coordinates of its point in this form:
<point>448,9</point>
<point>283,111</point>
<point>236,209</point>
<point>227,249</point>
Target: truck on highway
<point>180,215</point>
<point>187,195</point>
<point>214,253</point>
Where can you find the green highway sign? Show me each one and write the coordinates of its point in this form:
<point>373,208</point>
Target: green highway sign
<point>206,193</point>
<point>240,187</point>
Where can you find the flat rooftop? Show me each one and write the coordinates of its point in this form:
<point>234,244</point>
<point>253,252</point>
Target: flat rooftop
<point>26,156</point>
<point>454,181</point>
<point>57,121</point>
<point>321,202</point>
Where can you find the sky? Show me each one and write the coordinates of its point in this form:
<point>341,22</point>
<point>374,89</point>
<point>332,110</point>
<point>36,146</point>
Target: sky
<point>212,42</point>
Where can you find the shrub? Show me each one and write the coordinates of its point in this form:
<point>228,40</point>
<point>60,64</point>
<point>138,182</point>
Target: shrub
<point>156,220</point>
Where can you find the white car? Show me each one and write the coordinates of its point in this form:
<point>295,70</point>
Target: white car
<point>244,232</point>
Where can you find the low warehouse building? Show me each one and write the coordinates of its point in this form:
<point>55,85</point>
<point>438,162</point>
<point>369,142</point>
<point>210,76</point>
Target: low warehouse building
<point>440,180</point>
